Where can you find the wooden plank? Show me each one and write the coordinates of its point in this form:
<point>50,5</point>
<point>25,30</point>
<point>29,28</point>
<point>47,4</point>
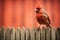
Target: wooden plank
<point>53,33</point>
<point>32,33</point>
<point>13,33</point>
<point>8,34</point>
<point>48,34</point>
<point>43,33</point>
<point>2,32</point>
<point>38,34</point>
<point>58,33</point>
<point>27,34</point>
<point>23,34</point>
<point>18,34</point>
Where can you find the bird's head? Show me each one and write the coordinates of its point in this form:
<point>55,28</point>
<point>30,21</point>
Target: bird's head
<point>38,9</point>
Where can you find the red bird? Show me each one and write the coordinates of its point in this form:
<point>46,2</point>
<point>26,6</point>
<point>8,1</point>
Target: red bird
<point>42,17</point>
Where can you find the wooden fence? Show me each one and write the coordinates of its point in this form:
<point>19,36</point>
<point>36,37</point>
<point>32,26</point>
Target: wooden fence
<point>29,34</point>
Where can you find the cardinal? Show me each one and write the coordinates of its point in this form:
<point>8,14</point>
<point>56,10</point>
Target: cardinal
<point>42,17</point>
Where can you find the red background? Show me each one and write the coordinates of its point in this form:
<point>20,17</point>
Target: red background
<point>21,12</point>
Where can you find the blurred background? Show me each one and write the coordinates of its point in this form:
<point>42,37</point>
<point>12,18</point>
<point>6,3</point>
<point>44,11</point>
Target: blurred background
<point>22,12</point>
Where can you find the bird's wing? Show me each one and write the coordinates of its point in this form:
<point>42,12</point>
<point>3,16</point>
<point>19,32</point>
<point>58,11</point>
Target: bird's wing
<point>45,13</point>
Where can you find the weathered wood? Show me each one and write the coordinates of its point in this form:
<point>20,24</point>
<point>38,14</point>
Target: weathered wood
<point>2,34</point>
<point>43,34</point>
<point>13,34</point>
<point>8,34</point>
<point>32,33</point>
<point>48,34</point>
<point>58,34</point>
<point>27,34</point>
<point>18,34</point>
<point>23,34</point>
<point>53,33</point>
<point>38,34</point>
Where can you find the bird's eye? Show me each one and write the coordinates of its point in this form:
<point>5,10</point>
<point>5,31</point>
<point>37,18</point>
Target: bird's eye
<point>37,10</point>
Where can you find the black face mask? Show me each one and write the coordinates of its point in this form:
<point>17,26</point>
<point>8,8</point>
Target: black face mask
<point>37,10</point>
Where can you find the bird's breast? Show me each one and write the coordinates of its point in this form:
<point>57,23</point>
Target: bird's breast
<point>41,18</point>
<point>38,15</point>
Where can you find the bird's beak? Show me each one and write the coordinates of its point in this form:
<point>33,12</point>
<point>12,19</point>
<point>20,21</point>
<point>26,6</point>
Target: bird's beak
<point>36,10</point>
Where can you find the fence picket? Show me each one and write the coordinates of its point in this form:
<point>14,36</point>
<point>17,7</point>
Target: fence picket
<point>43,33</point>
<point>53,33</point>
<point>48,34</point>
<point>58,34</point>
<point>32,33</point>
<point>13,34</point>
<point>18,34</point>
<point>2,34</point>
<point>38,35</point>
<point>8,34</point>
<point>27,34</point>
<point>23,34</point>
